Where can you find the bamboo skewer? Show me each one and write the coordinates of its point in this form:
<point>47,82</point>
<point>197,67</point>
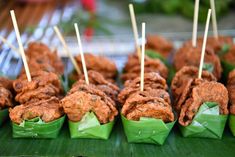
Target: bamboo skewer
<point>214,21</point>
<point>142,58</point>
<point>21,48</point>
<point>195,23</point>
<point>134,28</point>
<point>62,40</point>
<point>204,44</point>
<point>81,52</point>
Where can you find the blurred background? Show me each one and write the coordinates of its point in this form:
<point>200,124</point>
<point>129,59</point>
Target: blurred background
<point>107,21</point>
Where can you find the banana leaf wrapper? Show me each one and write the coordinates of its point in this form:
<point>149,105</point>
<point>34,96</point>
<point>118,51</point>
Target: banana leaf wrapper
<point>36,128</point>
<point>232,124</point>
<point>146,130</point>
<point>153,54</point>
<point>227,67</point>
<point>207,123</point>
<point>3,115</point>
<point>90,127</point>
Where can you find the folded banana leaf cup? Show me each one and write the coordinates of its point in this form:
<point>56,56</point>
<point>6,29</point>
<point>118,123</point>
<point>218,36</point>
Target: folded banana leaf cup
<point>207,123</point>
<point>146,130</point>
<point>36,128</point>
<point>3,115</point>
<point>231,123</point>
<point>90,127</point>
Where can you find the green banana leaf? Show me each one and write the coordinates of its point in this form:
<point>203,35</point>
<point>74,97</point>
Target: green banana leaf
<point>3,115</point>
<point>207,123</point>
<point>36,128</point>
<point>227,67</point>
<point>153,54</point>
<point>232,123</point>
<point>90,127</point>
<point>146,130</point>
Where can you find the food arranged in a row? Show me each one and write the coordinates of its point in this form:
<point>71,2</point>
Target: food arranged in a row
<point>38,101</point>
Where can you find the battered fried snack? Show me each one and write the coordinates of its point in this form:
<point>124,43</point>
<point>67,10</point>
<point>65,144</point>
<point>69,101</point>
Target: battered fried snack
<point>48,110</point>
<point>190,56</point>
<point>100,64</point>
<point>86,98</point>
<point>5,93</point>
<point>43,86</point>
<point>216,44</point>
<point>132,67</point>
<point>40,57</point>
<point>151,81</point>
<point>159,44</point>
<point>198,92</point>
<point>143,104</point>
<point>231,91</point>
<point>101,83</point>
<point>184,75</point>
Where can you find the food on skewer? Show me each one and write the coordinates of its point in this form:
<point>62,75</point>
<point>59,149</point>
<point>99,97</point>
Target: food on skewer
<point>38,98</point>
<point>184,76</point>
<point>159,44</point>
<point>190,56</point>
<point>132,67</point>
<point>151,81</point>
<point>99,81</point>
<point>85,98</point>
<point>101,64</point>
<point>40,57</point>
<point>198,92</point>
<point>153,102</point>
<point>229,54</point>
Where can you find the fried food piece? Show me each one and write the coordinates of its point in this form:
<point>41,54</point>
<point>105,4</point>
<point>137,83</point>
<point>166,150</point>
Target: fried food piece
<point>43,86</point>
<point>5,98</point>
<point>132,67</point>
<point>151,81</point>
<point>216,44</point>
<point>198,94</point>
<point>141,104</point>
<point>159,44</point>
<point>184,75</point>
<point>190,56</point>
<point>48,110</point>
<point>6,83</point>
<point>231,91</point>
<point>230,55</point>
<point>101,83</point>
<point>40,57</point>
<point>39,78</point>
<point>86,98</point>
<point>100,64</point>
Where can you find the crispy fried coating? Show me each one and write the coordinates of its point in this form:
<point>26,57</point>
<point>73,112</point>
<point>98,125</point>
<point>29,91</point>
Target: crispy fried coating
<point>190,56</point>
<point>85,98</point>
<point>43,86</point>
<point>5,98</point>
<point>40,57</point>
<point>231,91</point>
<point>159,44</point>
<point>48,110</point>
<point>101,83</point>
<point>183,76</point>
<point>141,104</point>
<point>151,81</point>
<point>132,67</point>
<point>100,64</point>
<point>204,91</point>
